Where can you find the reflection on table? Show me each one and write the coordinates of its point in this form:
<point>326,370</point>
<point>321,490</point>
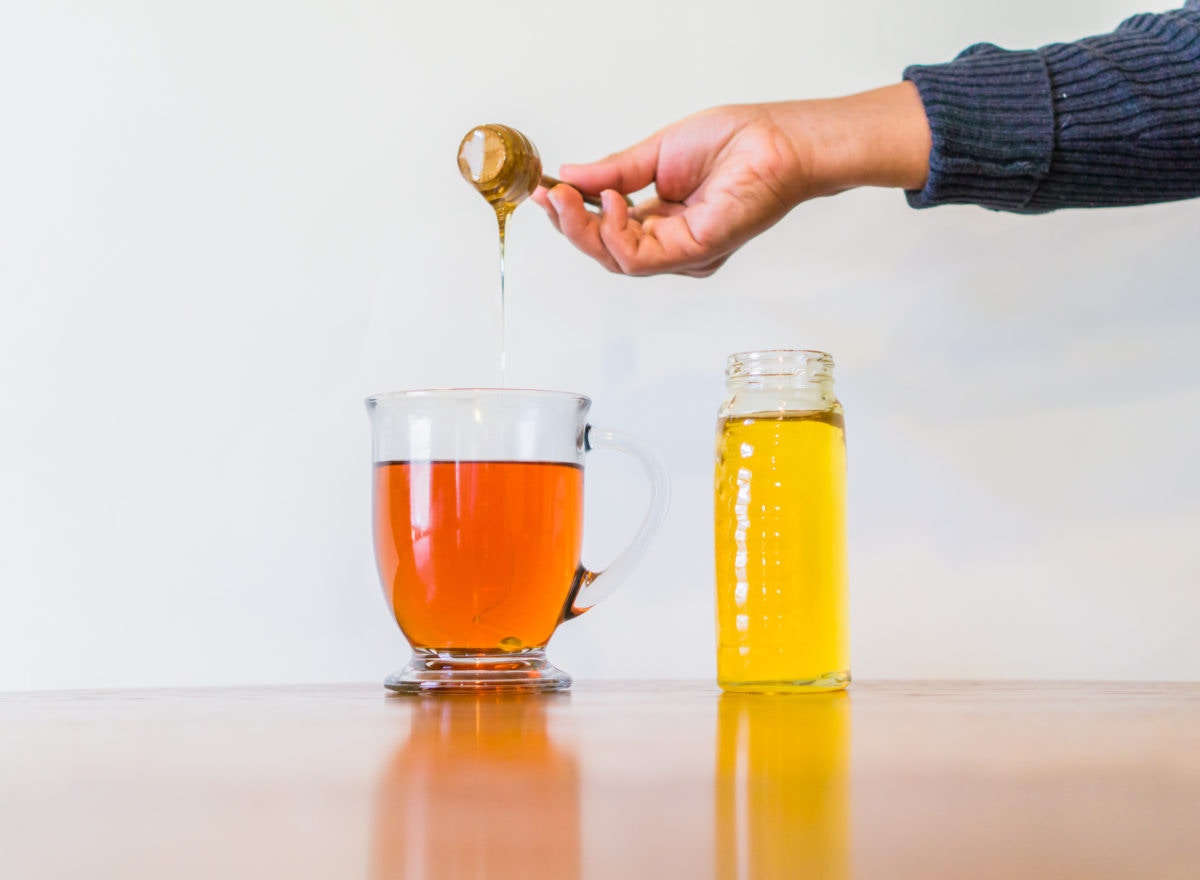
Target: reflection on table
<point>782,786</point>
<point>478,788</point>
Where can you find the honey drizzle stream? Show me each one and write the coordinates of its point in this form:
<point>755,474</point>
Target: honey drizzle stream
<point>503,166</point>
<point>503,209</point>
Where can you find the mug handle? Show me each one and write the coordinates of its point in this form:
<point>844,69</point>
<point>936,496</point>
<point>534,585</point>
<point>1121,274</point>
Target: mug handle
<point>584,593</point>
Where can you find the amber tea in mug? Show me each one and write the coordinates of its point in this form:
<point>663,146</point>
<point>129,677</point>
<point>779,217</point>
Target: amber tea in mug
<point>478,520</point>
<point>480,555</point>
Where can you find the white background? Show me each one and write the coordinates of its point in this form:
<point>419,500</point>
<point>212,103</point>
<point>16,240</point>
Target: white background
<point>222,224</point>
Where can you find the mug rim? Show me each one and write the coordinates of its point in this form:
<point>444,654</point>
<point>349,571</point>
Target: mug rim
<point>468,393</point>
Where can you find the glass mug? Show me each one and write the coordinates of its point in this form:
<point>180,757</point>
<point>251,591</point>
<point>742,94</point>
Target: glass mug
<point>478,518</point>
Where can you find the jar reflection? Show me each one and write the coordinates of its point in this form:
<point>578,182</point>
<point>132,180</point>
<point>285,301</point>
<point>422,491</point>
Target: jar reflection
<point>782,786</point>
<point>479,788</point>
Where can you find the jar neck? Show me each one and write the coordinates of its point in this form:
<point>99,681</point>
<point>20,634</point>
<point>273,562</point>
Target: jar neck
<point>780,370</point>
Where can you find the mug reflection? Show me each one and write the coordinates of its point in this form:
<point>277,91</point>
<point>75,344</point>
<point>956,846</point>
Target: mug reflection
<point>782,786</point>
<point>479,788</point>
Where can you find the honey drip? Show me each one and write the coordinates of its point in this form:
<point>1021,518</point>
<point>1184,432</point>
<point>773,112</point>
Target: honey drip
<point>504,167</point>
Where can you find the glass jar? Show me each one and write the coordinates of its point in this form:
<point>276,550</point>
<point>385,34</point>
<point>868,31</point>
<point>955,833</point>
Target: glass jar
<point>780,493</point>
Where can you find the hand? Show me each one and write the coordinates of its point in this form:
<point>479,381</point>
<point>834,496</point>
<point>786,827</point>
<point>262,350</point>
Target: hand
<point>727,174</point>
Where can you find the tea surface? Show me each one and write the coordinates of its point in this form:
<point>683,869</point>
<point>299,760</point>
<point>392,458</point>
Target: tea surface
<point>478,555</point>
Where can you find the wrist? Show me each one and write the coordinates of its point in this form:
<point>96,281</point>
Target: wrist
<point>875,138</point>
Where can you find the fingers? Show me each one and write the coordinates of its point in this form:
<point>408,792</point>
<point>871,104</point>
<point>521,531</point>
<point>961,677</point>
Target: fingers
<point>635,244</point>
<point>660,243</point>
<point>616,232</point>
<point>626,171</point>
<point>651,239</point>
<point>580,226</point>
<point>541,197</point>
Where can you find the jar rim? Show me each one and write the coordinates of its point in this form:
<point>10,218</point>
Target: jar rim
<point>779,362</point>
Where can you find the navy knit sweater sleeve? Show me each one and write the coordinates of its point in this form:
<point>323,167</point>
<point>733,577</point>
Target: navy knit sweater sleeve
<point>1107,120</point>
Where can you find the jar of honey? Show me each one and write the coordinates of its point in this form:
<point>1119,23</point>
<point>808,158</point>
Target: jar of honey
<point>780,493</point>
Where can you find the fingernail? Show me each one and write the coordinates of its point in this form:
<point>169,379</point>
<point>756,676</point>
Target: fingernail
<point>555,198</point>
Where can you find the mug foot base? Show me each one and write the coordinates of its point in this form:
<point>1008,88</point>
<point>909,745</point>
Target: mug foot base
<point>452,672</point>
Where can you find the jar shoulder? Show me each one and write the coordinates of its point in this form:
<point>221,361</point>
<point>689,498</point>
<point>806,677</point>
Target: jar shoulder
<point>746,402</point>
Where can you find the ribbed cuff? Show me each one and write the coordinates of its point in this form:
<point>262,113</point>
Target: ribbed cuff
<point>992,120</point>
<point>1126,126</point>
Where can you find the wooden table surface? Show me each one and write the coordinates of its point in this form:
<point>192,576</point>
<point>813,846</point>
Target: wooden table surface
<point>658,780</point>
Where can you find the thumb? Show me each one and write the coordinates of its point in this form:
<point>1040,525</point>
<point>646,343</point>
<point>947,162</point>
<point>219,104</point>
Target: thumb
<point>626,171</point>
